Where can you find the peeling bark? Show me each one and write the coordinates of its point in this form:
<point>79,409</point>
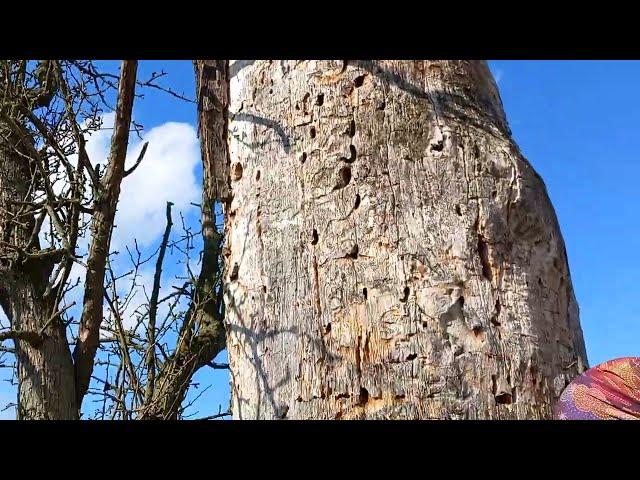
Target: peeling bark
<point>391,253</point>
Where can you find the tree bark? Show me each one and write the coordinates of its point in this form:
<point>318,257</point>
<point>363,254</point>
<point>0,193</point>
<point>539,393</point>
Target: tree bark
<point>391,253</point>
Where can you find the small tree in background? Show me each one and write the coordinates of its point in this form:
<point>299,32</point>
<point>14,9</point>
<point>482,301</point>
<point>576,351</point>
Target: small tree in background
<point>52,196</point>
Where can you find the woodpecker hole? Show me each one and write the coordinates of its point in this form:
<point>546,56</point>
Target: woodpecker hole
<point>236,172</point>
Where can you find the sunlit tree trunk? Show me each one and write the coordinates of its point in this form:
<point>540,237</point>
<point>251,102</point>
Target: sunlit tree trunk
<point>390,252</point>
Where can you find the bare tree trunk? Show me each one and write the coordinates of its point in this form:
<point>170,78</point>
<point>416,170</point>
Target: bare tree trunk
<point>45,369</point>
<point>391,253</point>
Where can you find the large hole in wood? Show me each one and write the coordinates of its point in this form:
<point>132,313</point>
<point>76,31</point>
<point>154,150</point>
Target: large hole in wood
<point>344,177</point>
<point>365,293</point>
<point>320,99</point>
<point>358,81</point>
<point>483,251</point>
<point>496,314</point>
<point>363,397</point>
<point>303,157</point>
<point>405,294</point>
<point>437,146</point>
<point>314,237</point>
<point>353,253</point>
<point>356,204</point>
<point>236,172</point>
<point>312,132</point>
<point>503,398</point>
<point>351,131</point>
<point>234,272</point>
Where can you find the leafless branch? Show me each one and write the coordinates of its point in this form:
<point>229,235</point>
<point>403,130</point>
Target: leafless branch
<point>138,161</point>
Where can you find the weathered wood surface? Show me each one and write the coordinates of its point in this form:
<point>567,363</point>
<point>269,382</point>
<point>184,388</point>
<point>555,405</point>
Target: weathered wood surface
<point>390,253</point>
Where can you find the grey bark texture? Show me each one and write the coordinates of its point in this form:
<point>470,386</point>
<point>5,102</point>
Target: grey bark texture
<point>389,251</point>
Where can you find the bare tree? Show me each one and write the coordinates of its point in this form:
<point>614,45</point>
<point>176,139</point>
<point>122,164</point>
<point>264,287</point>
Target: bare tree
<point>40,131</point>
<point>51,192</point>
<point>155,358</point>
<point>390,253</point>
<point>202,334</point>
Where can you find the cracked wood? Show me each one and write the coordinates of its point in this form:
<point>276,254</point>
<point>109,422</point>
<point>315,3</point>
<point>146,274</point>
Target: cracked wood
<point>391,253</point>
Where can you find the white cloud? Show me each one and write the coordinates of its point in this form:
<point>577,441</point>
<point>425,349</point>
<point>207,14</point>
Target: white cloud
<point>498,76</point>
<point>167,173</point>
<point>97,145</point>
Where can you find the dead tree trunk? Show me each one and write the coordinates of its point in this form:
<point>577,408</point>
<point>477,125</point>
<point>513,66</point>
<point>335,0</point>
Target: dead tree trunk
<point>390,254</point>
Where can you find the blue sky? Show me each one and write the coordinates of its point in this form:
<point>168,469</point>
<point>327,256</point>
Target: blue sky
<point>578,123</point>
